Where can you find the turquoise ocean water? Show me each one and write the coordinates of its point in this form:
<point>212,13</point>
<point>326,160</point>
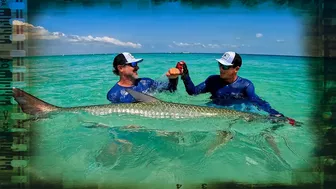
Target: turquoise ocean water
<point>66,149</point>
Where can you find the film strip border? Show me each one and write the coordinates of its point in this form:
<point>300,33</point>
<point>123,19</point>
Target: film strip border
<point>14,133</point>
<point>327,30</point>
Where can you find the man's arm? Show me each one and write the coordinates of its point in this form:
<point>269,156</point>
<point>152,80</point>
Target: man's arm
<point>262,104</point>
<point>160,86</point>
<point>171,85</point>
<point>188,84</point>
<point>117,94</point>
<point>265,105</point>
<point>191,88</point>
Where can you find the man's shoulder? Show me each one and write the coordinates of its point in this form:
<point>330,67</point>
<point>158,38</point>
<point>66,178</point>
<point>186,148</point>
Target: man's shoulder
<point>115,88</point>
<point>244,79</point>
<point>213,77</point>
<point>114,93</point>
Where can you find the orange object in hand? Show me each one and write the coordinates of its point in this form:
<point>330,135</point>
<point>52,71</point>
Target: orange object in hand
<point>173,73</point>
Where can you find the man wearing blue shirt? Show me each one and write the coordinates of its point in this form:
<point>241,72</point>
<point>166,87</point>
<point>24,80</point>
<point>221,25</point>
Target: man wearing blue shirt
<point>126,67</point>
<point>227,88</point>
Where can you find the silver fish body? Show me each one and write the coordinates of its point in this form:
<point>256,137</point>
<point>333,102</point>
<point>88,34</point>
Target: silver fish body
<point>160,109</point>
<point>145,105</point>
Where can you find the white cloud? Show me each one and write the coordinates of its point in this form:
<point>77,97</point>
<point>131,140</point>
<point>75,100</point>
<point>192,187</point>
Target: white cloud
<point>280,40</point>
<point>210,45</point>
<point>58,34</point>
<point>181,44</point>
<point>39,32</point>
<point>87,39</point>
<point>213,45</point>
<point>258,35</point>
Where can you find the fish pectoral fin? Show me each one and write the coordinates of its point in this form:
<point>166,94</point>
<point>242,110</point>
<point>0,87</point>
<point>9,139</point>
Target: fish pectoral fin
<point>126,145</point>
<point>214,147</point>
<point>222,138</point>
<point>271,142</point>
<point>141,97</point>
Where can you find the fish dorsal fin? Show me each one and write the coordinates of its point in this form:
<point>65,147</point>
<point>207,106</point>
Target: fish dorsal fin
<point>141,97</point>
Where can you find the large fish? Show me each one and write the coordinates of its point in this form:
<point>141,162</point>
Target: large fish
<point>146,105</point>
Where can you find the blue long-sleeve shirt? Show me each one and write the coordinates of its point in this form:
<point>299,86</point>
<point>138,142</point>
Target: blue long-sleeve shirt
<point>225,94</point>
<point>118,94</point>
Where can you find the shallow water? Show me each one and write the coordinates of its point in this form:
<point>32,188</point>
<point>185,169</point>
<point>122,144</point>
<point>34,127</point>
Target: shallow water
<point>168,151</point>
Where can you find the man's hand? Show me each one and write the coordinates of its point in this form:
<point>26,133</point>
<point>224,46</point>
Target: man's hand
<point>290,120</point>
<point>173,73</point>
<point>182,66</point>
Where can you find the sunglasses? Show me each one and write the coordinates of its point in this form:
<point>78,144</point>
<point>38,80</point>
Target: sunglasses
<point>224,67</point>
<point>133,64</point>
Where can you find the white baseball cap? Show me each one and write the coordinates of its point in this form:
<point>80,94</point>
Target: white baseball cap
<point>230,58</point>
<point>130,58</point>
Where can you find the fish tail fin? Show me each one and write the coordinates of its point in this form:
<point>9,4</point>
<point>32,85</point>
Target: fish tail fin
<point>31,104</point>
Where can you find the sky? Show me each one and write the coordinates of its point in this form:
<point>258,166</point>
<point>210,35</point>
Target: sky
<point>170,27</point>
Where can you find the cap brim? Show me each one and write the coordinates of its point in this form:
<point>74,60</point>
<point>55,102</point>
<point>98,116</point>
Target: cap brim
<point>135,60</point>
<point>224,62</point>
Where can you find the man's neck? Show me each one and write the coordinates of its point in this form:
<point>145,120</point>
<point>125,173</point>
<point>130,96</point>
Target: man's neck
<point>126,82</point>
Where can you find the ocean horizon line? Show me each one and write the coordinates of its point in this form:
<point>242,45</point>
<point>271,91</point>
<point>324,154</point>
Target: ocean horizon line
<point>96,54</point>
